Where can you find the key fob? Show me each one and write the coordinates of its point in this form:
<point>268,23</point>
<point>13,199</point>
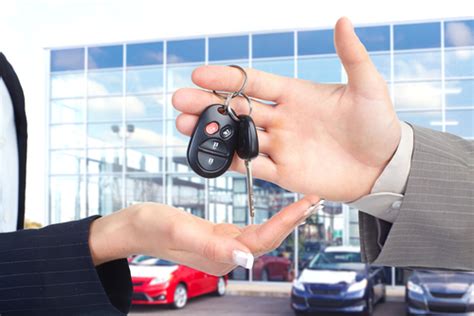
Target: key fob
<point>247,144</point>
<point>213,142</point>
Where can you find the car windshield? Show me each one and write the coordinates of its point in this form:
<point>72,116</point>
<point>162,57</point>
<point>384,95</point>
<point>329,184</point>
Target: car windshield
<point>151,261</point>
<point>336,260</point>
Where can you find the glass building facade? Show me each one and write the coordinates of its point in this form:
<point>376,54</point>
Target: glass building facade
<point>112,138</point>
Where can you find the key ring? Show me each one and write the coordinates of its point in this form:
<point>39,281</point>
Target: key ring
<point>242,87</point>
<point>230,110</point>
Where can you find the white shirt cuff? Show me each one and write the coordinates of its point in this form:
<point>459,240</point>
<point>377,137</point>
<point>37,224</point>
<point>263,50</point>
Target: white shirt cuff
<point>386,196</point>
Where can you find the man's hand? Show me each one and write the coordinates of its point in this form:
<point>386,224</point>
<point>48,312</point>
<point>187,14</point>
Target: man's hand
<point>331,140</point>
<point>169,233</point>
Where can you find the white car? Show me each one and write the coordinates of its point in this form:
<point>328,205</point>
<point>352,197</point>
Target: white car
<point>336,280</point>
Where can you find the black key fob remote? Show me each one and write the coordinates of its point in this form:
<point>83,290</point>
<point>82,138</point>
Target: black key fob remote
<point>213,142</point>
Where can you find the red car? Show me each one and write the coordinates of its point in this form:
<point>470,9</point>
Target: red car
<point>158,281</point>
<point>273,266</point>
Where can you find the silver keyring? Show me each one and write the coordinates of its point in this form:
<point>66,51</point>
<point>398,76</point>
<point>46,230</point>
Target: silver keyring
<point>230,110</point>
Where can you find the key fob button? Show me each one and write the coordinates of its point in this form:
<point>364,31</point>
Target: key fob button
<point>227,131</point>
<point>210,162</point>
<point>215,145</point>
<point>212,128</point>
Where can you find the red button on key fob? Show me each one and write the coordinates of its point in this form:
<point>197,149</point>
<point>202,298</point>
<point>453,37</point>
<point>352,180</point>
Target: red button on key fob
<point>212,128</point>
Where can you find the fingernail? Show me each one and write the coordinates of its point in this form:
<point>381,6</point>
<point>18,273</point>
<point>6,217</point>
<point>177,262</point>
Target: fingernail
<point>243,259</point>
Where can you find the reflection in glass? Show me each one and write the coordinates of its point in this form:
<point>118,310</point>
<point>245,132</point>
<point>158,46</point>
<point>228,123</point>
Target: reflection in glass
<point>273,45</point>
<point>187,192</point>
<point>179,76</point>
<point>145,80</point>
<point>104,160</point>
<point>66,161</point>
<point>67,85</point>
<point>142,54</point>
<point>221,200</point>
<point>174,137</point>
<point>105,57</point>
<point>416,66</point>
<point>67,59</point>
<point>104,194</point>
<point>431,119</point>
<point>420,95</point>
<point>459,62</point>
<point>459,93</point>
<point>67,136</point>
<point>316,42</point>
<point>141,134</point>
<point>105,134</point>
<point>67,110</point>
<point>176,160</point>
<point>374,38</point>
<point>144,188</point>
<point>145,159</point>
<point>382,63</point>
<point>104,109</point>
<point>228,48</point>
<point>322,229</point>
<point>420,35</point>
<point>281,67</point>
<point>67,196</point>
<point>460,122</point>
<point>104,82</point>
<point>144,107</point>
<point>185,51</point>
<point>323,69</point>
<point>459,33</point>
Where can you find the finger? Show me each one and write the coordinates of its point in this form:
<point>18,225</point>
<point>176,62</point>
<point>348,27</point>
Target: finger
<point>194,101</point>
<point>360,70</point>
<point>198,236</point>
<point>185,124</point>
<point>200,263</point>
<point>270,234</point>
<point>262,167</point>
<point>260,84</point>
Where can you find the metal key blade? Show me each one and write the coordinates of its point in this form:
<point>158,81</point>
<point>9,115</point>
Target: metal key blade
<point>248,168</point>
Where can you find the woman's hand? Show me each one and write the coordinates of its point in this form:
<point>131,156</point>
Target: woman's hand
<point>331,140</point>
<point>172,234</point>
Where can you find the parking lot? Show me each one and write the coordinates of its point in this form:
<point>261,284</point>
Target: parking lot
<point>247,305</point>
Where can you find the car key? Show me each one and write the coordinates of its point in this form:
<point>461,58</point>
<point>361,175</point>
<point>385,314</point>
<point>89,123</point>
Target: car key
<point>213,142</point>
<point>247,149</point>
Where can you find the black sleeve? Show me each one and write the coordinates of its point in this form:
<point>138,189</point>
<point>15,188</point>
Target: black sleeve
<point>50,271</point>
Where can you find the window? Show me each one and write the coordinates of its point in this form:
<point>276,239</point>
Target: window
<point>144,188</point>
<point>417,65</point>
<point>323,69</point>
<point>67,110</point>
<point>272,45</point>
<point>104,109</point>
<point>144,107</point>
<point>145,54</point>
<point>185,51</point>
<point>67,59</point>
<point>67,136</point>
<point>459,93</point>
<point>145,159</point>
<point>421,35</point>
<point>67,161</point>
<point>459,62</point>
<point>460,122</point>
<point>103,160</point>
<point>430,119</point>
<point>459,33</point>
<point>228,48</point>
<point>105,57</point>
<point>316,42</point>
<point>148,134</point>
<point>67,85</point>
<point>419,95</point>
<point>375,38</point>
<point>145,80</point>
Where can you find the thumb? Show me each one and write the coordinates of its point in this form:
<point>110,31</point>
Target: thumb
<point>360,70</point>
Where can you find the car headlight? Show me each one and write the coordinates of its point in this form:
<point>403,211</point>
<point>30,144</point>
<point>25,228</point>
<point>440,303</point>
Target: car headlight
<point>358,286</point>
<point>412,287</point>
<point>298,285</point>
<point>160,279</point>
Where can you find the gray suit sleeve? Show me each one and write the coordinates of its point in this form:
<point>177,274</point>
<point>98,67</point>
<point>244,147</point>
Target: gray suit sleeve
<point>435,226</point>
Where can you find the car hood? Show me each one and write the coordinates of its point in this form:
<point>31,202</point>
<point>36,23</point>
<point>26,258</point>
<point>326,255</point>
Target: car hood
<point>444,281</point>
<point>142,271</point>
<point>327,276</point>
